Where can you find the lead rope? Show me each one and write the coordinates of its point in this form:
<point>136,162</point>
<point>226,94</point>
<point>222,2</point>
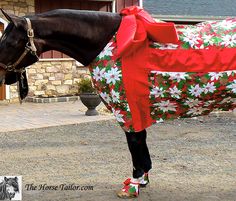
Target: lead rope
<point>18,91</point>
<point>19,82</point>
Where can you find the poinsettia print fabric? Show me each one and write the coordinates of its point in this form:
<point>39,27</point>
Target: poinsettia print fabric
<point>220,34</point>
<point>172,94</point>
<point>107,78</point>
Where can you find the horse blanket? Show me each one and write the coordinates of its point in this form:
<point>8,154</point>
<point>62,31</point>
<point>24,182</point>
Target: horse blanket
<point>192,74</point>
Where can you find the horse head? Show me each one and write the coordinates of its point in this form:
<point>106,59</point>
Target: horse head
<point>16,52</point>
<point>11,187</point>
<point>8,188</point>
<point>13,43</point>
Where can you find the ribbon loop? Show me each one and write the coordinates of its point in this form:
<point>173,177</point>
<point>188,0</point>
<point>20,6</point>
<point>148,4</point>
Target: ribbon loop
<point>137,26</point>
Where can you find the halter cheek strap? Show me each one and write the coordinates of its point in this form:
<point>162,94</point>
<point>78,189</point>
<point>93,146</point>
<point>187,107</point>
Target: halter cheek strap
<point>29,48</point>
<point>30,34</point>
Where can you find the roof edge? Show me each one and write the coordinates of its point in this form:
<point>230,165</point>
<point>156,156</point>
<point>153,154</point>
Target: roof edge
<point>182,19</point>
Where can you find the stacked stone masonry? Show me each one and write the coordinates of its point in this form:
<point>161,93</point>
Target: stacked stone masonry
<point>55,78</point>
<point>18,7</point>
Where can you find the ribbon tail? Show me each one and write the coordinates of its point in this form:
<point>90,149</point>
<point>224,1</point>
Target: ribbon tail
<point>162,32</point>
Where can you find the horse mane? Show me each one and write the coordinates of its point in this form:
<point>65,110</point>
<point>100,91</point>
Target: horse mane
<point>3,193</point>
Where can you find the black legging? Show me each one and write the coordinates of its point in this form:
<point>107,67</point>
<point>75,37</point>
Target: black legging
<point>139,152</point>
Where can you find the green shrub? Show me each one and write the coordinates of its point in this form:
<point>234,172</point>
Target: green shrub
<point>85,86</point>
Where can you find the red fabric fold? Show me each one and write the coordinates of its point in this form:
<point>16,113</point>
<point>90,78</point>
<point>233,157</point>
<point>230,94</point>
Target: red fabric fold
<point>192,60</point>
<point>136,28</point>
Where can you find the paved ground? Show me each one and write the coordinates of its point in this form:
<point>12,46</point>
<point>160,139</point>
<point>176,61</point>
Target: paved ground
<point>193,159</point>
<point>38,115</point>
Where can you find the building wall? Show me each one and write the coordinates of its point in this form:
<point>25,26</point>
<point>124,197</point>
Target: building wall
<point>51,78</point>
<point>18,7</point>
<point>191,7</point>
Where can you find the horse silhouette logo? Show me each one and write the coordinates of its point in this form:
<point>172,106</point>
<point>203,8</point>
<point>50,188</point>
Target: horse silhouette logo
<point>10,188</point>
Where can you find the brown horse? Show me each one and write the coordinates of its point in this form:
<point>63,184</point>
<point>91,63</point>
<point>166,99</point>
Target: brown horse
<point>80,34</point>
<point>84,34</point>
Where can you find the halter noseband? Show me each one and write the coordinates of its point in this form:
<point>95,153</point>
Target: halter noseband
<point>29,47</point>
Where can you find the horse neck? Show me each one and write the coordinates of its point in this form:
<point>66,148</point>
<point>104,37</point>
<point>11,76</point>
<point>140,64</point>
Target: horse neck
<point>80,34</point>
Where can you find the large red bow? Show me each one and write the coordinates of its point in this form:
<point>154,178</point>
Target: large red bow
<point>137,25</point>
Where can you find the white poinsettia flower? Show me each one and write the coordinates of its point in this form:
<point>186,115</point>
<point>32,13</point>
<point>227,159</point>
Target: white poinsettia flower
<point>118,116</point>
<point>232,87</point>
<point>196,111</point>
<point>193,102</point>
<point>195,90</point>
<point>175,92</point>
<point>105,97</point>
<point>225,24</point>
<point>178,76</point>
<point>157,92</point>
<point>215,76</point>
<point>191,37</point>
<point>166,106</point>
<point>229,40</point>
<point>115,96</point>
<point>229,72</point>
<point>209,88</point>
<point>107,51</point>
<point>188,31</point>
<point>127,107</point>
<point>98,74</point>
<point>112,76</point>
<point>208,39</point>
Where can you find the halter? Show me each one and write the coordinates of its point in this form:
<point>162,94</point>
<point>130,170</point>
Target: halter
<point>29,47</point>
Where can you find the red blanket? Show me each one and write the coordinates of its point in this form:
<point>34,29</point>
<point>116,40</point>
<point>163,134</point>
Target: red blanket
<point>166,71</point>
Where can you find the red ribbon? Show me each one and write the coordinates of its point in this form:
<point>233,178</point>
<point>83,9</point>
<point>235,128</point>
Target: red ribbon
<point>137,25</point>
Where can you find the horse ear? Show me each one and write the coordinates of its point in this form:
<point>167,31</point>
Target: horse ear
<point>16,179</point>
<point>12,18</point>
<point>5,179</point>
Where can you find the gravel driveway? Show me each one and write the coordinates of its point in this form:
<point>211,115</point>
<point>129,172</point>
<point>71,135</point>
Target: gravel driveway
<point>193,160</point>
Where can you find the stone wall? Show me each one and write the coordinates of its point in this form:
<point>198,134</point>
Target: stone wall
<point>53,78</point>
<point>18,7</point>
